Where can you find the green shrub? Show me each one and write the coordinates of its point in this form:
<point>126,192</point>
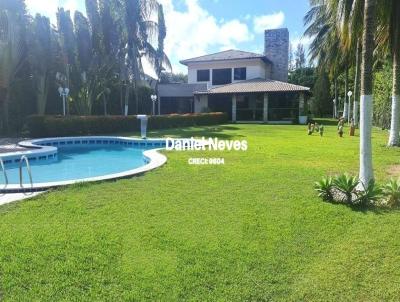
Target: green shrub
<point>324,188</point>
<point>392,193</point>
<point>343,188</point>
<point>371,194</point>
<point>346,184</point>
<point>50,125</point>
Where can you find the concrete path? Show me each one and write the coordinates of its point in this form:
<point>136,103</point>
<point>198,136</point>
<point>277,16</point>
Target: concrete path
<point>7,198</point>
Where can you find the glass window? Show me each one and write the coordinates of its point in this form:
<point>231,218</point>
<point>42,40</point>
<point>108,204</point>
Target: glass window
<point>203,75</point>
<point>239,74</point>
<point>222,76</point>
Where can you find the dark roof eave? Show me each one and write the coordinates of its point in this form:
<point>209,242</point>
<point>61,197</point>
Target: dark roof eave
<point>254,91</point>
<point>262,58</point>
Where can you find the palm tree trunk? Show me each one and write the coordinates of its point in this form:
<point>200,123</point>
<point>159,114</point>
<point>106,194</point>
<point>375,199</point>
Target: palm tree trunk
<point>395,122</point>
<point>346,98</point>
<point>126,106</point>
<point>357,84</point>
<point>41,94</point>
<point>121,105</point>
<point>5,111</point>
<point>366,99</point>
<point>336,97</point>
<point>105,104</point>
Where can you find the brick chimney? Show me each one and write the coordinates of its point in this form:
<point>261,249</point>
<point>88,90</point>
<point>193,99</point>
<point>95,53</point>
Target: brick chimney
<point>276,49</point>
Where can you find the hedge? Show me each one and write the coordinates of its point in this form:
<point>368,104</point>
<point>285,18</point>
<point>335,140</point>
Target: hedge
<point>51,125</point>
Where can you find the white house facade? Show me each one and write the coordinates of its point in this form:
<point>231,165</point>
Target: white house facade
<point>247,86</point>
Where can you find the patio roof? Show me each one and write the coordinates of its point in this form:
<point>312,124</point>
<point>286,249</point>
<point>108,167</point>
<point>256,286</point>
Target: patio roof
<point>254,86</point>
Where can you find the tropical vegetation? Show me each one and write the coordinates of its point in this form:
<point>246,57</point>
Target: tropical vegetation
<point>358,35</point>
<point>99,58</point>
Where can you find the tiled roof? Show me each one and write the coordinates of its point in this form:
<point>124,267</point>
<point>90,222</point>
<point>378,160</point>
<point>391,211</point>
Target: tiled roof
<point>256,85</point>
<point>179,89</point>
<point>226,55</point>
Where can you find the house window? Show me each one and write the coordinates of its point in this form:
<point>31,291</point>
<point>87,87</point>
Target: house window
<point>222,76</point>
<point>239,74</point>
<point>203,75</point>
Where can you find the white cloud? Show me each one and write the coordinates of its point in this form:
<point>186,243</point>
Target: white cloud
<point>271,21</point>
<point>301,40</point>
<point>296,40</point>
<point>193,31</point>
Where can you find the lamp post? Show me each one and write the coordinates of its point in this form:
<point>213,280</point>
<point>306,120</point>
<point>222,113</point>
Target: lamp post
<point>64,92</point>
<point>334,108</point>
<point>349,94</point>
<point>153,99</point>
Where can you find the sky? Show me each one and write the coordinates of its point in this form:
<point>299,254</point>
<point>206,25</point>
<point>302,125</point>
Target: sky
<point>198,27</point>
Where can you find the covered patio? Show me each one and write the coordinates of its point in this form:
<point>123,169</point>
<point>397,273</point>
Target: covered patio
<point>262,101</point>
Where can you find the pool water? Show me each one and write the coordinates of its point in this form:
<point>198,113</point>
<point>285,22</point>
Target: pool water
<point>74,163</point>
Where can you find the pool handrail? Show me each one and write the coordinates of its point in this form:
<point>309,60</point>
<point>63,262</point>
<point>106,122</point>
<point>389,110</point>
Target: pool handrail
<point>28,168</point>
<point>4,173</point>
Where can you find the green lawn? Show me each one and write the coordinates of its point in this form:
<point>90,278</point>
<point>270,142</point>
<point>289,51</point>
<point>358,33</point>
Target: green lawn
<point>252,229</point>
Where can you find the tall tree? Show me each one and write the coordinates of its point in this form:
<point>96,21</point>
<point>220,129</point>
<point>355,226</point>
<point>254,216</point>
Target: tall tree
<point>366,100</point>
<point>391,19</point>
<point>67,42</point>
<point>40,57</point>
<point>300,56</point>
<point>12,51</point>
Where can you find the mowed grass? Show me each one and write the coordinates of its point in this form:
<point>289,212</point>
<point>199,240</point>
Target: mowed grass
<point>250,230</point>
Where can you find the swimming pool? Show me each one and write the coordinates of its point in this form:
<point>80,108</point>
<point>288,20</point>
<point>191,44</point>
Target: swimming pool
<point>60,161</point>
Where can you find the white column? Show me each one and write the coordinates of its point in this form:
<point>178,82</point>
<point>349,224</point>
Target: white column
<point>234,108</point>
<point>265,114</point>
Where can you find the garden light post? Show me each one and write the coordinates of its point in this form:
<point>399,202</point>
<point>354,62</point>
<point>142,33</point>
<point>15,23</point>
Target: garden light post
<point>334,108</point>
<point>153,99</point>
<point>64,92</point>
<point>349,94</point>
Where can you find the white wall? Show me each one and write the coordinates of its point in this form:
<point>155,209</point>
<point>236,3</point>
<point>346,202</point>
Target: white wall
<point>255,69</point>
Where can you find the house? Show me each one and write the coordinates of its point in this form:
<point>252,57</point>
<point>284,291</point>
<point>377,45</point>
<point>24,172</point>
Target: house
<point>248,86</point>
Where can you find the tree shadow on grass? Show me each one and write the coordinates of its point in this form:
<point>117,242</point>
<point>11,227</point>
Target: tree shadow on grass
<point>365,209</point>
<point>221,132</point>
<point>326,121</point>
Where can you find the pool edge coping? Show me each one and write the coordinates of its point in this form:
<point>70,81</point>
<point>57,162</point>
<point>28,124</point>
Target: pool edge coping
<point>156,159</point>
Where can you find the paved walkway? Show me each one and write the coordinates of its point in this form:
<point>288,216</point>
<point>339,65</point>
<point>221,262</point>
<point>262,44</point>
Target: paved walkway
<point>10,144</point>
<point>7,198</point>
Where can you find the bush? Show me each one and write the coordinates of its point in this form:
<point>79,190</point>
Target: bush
<point>371,194</point>
<point>344,189</point>
<point>324,188</point>
<point>48,126</point>
<point>346,185</point>
<point>392,193</point>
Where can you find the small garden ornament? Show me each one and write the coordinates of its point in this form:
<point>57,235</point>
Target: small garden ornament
<point>352,127</point>
<point>340,127</point>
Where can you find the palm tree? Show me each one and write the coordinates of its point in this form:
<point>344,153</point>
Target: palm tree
<point>12,50</point>
<point>84,101</point>
<point>67,41</point>
<point>366,100</point>
<point>390,26</point>
<point>40,55</point>
<point>325,45</point>
<point>162,62</point>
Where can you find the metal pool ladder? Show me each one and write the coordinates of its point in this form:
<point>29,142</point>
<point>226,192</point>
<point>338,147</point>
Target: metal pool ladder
<point>4,173</point>
<point>28,168</point>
